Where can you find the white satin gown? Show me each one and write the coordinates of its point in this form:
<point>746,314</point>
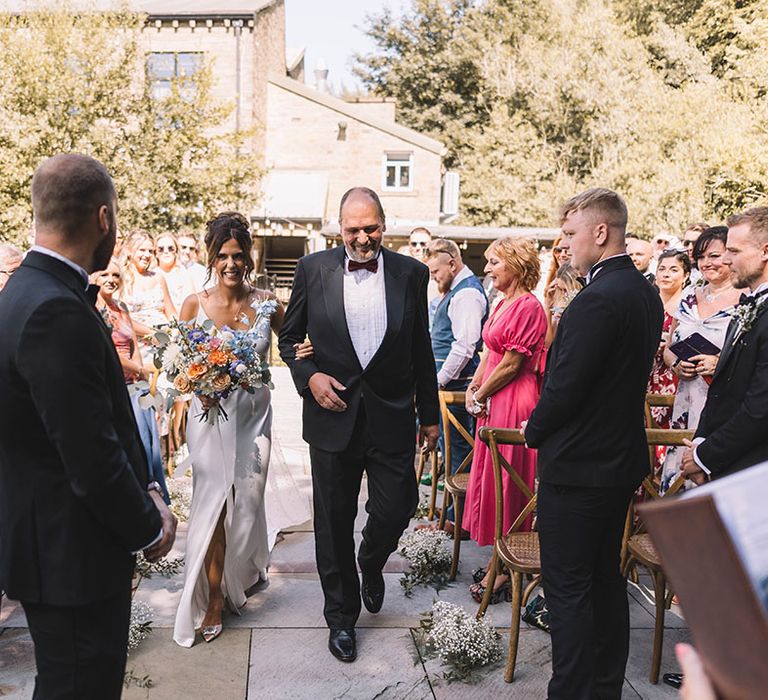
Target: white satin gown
<point>230,461</point>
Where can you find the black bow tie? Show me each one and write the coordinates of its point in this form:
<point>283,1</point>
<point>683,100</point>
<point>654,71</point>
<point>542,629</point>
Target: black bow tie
<point>371,265</point>
<point>751,299</point>
<point>91,292</point>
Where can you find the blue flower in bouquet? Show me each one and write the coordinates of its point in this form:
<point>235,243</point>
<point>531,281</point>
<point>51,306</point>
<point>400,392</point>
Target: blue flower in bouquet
<point>197,335</point>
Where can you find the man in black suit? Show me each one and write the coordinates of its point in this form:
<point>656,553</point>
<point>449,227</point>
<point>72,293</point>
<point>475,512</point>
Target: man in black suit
<point>733,429</point>
<point>74,498</point>
<point>365,311</point>
<point>588,428</point>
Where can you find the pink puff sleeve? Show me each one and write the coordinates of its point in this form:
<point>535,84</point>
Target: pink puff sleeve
<point>524,327</point>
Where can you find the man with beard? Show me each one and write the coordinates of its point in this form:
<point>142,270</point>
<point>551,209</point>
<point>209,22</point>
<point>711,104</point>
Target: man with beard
<point>365,311</point>
<point>74,499</point>
<point>733,428</point>
<point>456,337</point>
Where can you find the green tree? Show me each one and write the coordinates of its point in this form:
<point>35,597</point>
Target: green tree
<point>645,97</point>
<point>76,81</point>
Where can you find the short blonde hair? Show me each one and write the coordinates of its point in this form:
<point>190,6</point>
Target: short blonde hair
<point>442,245</point>
<point>605,204</point>
<point>757,218</point>
<point>521,256</point>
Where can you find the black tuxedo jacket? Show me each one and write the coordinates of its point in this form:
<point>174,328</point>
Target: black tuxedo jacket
<point>73,475</point>
<point>734,421</point>
<point>403,366</point>
<point>588,423</point>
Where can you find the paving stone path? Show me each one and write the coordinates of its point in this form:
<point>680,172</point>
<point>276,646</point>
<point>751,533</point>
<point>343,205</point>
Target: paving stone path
<point>278,648</point>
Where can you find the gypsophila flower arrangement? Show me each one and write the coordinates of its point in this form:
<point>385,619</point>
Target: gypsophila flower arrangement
<point>746,313</point>
<point>141,624</point>
<point>461,642</point>
<point>163,567</point>
<point>429,556</point>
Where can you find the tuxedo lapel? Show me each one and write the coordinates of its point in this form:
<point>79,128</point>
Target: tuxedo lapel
<point>395,299</point>
<point>332,276</point>
<point>725,353</point>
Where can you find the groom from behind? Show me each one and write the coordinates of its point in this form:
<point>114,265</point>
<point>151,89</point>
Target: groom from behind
<point>365,311</point>
<point>74,498</point>
<point>588,427</point>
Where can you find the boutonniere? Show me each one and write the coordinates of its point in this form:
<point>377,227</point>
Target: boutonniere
<point>746,313</point>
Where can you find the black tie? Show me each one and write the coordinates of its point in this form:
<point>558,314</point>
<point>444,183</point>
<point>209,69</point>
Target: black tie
<point>91,292</point>
<point>582,281</point>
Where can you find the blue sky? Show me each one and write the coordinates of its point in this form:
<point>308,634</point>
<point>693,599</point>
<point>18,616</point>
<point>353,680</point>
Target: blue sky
<point>332,30</point>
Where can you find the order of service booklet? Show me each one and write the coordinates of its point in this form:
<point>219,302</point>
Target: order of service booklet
<point>713,544</point>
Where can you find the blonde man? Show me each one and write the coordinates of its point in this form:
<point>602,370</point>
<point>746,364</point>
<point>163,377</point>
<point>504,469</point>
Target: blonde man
<point>588,428</point>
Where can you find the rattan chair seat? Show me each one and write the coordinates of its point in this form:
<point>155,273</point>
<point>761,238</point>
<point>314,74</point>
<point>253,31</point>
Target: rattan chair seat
<point>521,549</point>
<point>458,483</point>
<point>643,550</point>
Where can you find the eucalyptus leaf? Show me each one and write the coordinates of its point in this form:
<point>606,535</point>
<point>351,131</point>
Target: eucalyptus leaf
<point>162,338</point>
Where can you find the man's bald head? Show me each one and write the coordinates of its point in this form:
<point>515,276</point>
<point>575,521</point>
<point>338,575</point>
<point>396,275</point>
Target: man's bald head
<point>641,253</point>
<point>364,193</point>
<point>67,190</point>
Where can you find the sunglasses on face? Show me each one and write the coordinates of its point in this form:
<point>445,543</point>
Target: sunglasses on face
<point>689,244</point>
<point>165,249</point>
<point>188,247</point>
<point>418,244</point>
<point>367,229</point>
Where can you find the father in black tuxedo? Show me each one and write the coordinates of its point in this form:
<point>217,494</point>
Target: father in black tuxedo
<point>588,428</point>
<point>733,429</point>
<point>74,498</point>
<point>365,311</point>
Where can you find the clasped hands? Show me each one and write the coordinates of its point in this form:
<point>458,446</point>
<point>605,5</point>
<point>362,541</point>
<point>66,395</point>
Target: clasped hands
<point>701,365</point>
<point>158,550</point>
<point>324,387</point>
<point>688,466</point>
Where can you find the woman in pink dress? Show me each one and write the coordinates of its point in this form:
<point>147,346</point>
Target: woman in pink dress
<point>504,391</point>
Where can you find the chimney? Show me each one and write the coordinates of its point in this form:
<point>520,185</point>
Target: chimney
<point>321,75</point>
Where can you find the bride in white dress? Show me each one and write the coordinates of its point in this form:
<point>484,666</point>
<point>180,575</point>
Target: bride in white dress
<point>227,541</point>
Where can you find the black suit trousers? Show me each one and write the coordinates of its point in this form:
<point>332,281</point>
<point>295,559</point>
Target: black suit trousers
<point>80,650</point>
<point>392,501</point>
<point>580,530</point>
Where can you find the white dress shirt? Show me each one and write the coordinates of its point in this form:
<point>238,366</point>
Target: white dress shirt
<point>365,306</point>
<point>465,312</point>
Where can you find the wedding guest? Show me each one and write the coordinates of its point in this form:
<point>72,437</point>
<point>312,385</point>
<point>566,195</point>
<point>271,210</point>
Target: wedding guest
<point>704,310</point>
<point>118,319</point>
<point>76,500</point>
<point>592,451</point>
<point>733,428</point>
<point>691,235</point>
<point>641,253</point>
<point>418,240</point>
<point>145,291</point>
<point>672,274</point>
<point>560,256</point>
<point>503,392</point>
<point>177,278</point>
<point>456,338</point>
<point>189,257</point>
<point>10,260</point>
<point>559,294</point>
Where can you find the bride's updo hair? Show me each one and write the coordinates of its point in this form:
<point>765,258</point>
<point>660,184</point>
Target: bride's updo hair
<point>227,226</point>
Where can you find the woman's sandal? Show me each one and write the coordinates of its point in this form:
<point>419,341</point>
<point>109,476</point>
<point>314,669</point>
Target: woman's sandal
<point>502,593</point>
<point>478,574</point>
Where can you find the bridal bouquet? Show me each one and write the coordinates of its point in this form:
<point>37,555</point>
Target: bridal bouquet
<point>210,363</point>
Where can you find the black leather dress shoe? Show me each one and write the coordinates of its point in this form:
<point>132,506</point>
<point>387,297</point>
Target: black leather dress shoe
<point>673,679</point>
<point>342,644</point>
<point>372,591</point>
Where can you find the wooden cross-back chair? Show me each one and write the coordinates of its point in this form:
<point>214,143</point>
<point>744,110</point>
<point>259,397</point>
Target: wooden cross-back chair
<point>519,551</point>
<point>637,547</point>
<point>455,486</point>
<point>434,461</point>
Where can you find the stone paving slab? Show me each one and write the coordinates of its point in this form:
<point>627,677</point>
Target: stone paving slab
<point>296,665</point>
<point>17,664</point>
<point>217,671</point>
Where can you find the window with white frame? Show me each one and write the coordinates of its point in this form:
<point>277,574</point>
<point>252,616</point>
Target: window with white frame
<point>398,171</point>
<point>165,67</point>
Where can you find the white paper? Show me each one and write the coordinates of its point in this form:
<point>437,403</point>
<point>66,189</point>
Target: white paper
<point>742,502</point>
